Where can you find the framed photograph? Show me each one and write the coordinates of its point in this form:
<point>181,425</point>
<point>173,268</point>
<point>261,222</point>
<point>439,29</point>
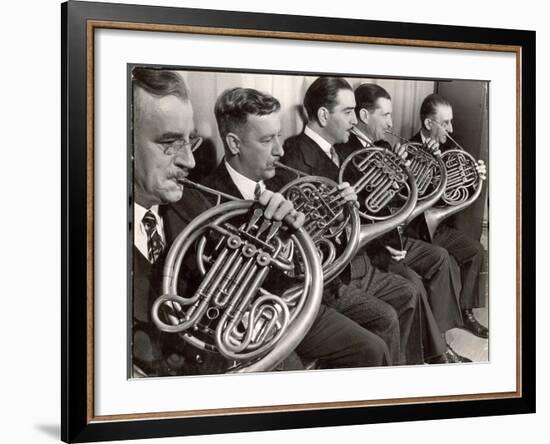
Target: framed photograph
<point>396,287</point>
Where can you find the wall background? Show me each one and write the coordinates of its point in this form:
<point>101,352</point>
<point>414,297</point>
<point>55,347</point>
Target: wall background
<point>30,222</point>
<point>206,87</point>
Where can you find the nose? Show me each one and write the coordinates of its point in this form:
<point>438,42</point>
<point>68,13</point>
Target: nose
<point>450,128</point>
<point>278,148</point>
<point>353,118</point>
<point>184,158</point>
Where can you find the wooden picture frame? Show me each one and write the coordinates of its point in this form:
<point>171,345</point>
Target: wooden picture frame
<point>80,22</point>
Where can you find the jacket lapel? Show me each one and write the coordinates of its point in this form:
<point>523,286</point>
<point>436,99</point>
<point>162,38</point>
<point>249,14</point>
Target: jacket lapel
<point>317,160</point>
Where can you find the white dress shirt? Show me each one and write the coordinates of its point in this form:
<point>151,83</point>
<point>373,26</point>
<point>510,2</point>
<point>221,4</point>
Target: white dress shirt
<point>140,234</point>
<point>423,137</point>
<point>245,185</point>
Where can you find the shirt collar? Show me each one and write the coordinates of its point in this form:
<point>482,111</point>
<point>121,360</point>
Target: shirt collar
<point>140,211</point>
<point>245,185</point>
<point>323,144</point>
<point>422,136</point>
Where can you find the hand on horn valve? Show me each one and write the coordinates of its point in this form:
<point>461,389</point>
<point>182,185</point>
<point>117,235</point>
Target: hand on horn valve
<point>401,151</point>
<point>279,208</point>
<point>432,146</point>
<point>347,192</point>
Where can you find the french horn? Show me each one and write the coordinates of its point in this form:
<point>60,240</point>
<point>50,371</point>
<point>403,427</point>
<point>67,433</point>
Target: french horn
<point>464,185</point>
<point>381,176</point>
<point>233,312</point>
<point>330,220</point>
<point>429,172</point>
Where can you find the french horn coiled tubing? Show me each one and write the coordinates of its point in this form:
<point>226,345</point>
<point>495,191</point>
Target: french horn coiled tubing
<point>386,187</point>
<point>333,224</point>
<point>231,313</point>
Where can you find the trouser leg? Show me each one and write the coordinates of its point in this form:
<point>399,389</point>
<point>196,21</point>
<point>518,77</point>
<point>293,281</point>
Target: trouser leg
<point>395,291</point>
<point>469,256</point>
<point>371,313</point>
<point>425,341</point>
<point>434,265</point>
<point>339,342</point>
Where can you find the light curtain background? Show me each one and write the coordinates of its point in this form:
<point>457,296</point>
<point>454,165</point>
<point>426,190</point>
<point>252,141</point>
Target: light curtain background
<point>205,88</point>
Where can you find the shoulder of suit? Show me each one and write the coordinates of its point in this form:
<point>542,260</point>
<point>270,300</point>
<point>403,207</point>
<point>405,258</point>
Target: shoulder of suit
<point>294,142</point>
<point>192,203</point>
<point>345,149</point>
<point>217,180</point>
<point>417,137</point>
<point>213,178</point>
<point>301,146</point>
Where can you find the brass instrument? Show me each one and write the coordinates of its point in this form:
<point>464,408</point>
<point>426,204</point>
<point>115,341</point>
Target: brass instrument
<point>429,172</point>
<point>231,312</point>
<point>464,184</point>
<point>384,175</point>
<point>327,217</point>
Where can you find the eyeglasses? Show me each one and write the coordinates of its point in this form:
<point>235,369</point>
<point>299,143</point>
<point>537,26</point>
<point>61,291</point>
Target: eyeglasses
<point>445,124</point>
<point>177,145</point>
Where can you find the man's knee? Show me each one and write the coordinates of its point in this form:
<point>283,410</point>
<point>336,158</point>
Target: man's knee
<point>478,249</point>
<point>391,322</point>
<point>439,255</point>
<point>410,292</point>
<point>373,352</point>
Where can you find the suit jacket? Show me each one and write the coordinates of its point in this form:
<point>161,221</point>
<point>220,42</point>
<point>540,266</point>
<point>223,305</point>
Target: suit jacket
<point>303,154</point>
<point>221,180</point>
<point>147,278</point>
<point>151,347</point>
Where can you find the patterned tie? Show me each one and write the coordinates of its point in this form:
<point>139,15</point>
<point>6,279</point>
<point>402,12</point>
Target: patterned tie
<point>257,191</point>
<point>334,157</point>
<point>155,245</point>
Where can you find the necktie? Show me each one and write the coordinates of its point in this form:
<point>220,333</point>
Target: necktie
<point>257,191</point>
<point>334,157</point>
<point>155,245</point>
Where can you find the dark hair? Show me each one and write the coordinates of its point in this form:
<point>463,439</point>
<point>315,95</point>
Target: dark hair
<point>429,105</point>
<point>366,96</point>
<point>322,93</point>
<point>160,83</point>
<point>235,105</point>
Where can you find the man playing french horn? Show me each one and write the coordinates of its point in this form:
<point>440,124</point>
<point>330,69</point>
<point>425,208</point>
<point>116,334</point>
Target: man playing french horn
<point>163,144</point>
<point>428,266</point>
<point>249,123</point>
<point>436,116</point>
<point>371,297</point>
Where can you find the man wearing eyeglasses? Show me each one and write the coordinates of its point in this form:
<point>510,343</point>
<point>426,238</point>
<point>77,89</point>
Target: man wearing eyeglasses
<point>163,142</point>
<point>436,116</point>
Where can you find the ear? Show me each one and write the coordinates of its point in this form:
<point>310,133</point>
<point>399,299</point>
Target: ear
<point>233,143</point>
<point>364,115</point>
<point>428,123</point>
<point>322,116</point>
